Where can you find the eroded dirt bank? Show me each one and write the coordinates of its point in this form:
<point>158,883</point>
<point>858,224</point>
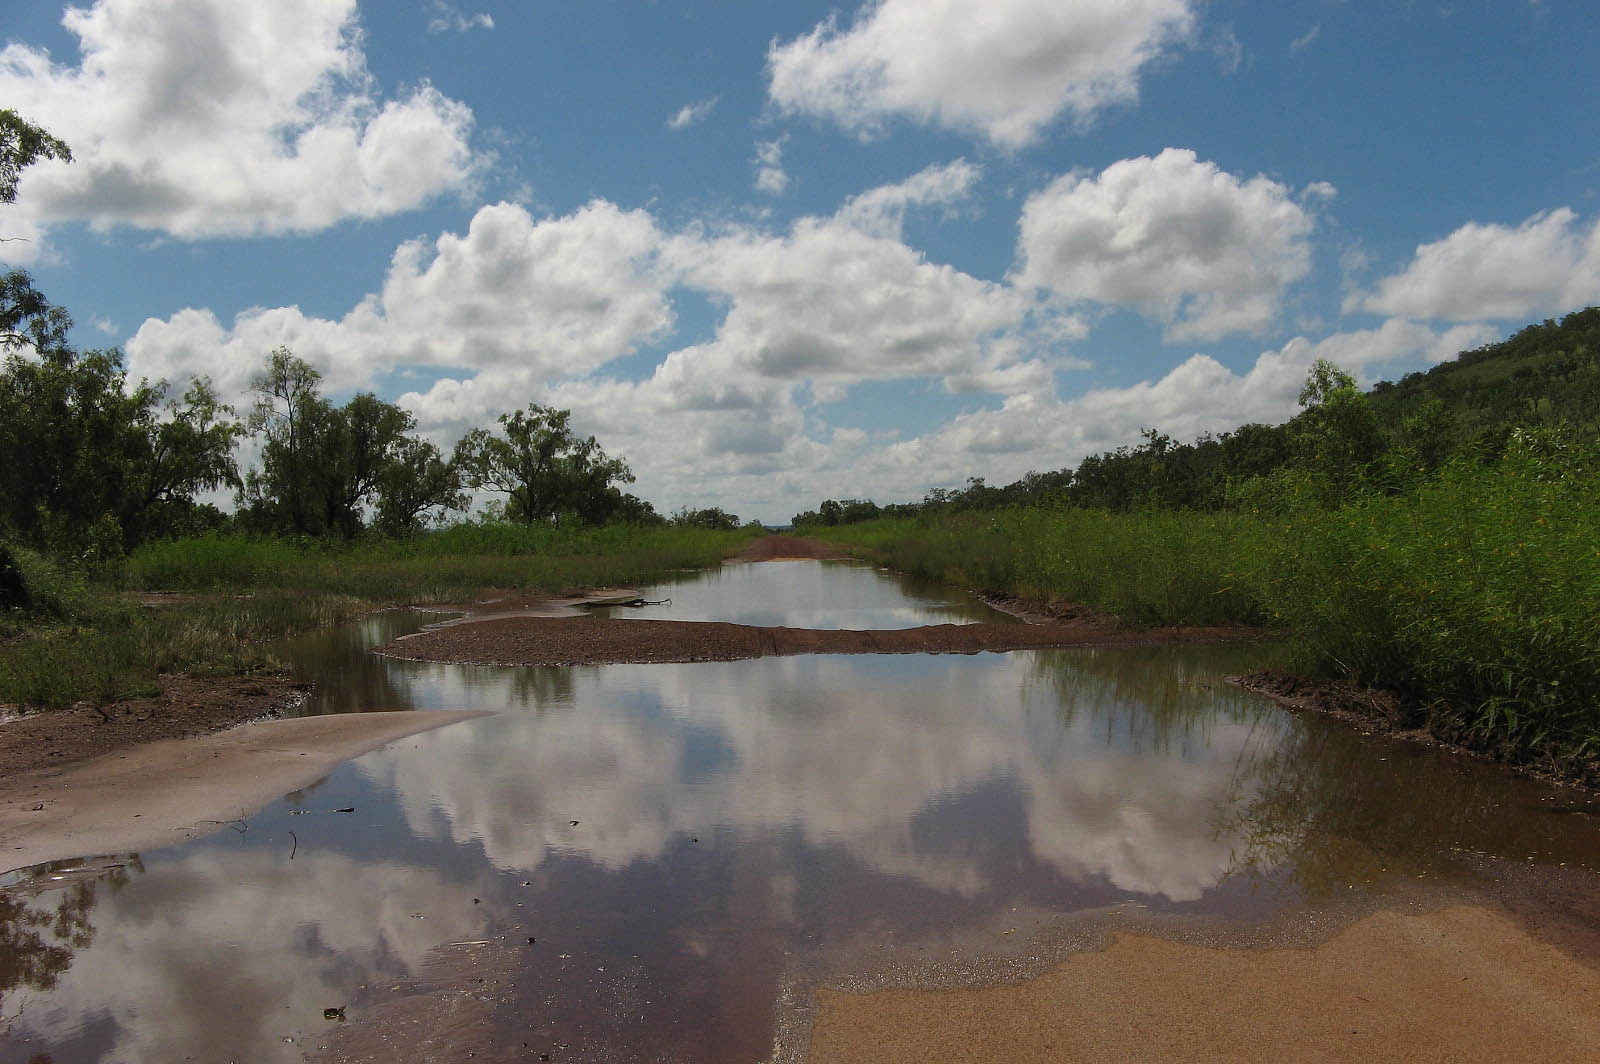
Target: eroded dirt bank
<point>526,640</point>
<point>1462,983</point>
<point>184,708</point>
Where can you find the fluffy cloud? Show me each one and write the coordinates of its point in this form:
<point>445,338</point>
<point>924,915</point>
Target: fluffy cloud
<point>1551,262</point>
<point>1003,69</point>
<point>519,309</point>
<point>1206,252</point>
<point>881,210</point>
<point>1041,431</point>
<point>579,311</point>
<point>202,118</point>
<point>534,299</point>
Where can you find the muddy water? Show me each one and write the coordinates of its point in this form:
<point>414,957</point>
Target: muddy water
<point>659,862</point>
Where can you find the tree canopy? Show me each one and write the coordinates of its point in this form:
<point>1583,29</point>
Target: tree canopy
<point>547,472</point>
<point>324,468</point>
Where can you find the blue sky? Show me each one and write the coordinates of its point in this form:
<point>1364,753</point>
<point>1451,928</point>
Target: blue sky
<point>773,253</point>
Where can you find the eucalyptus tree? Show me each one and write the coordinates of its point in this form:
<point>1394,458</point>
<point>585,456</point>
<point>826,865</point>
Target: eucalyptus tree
<point>546,471</point>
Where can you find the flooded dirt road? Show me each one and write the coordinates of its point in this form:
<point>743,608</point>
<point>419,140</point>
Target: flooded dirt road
<point>825,855</point>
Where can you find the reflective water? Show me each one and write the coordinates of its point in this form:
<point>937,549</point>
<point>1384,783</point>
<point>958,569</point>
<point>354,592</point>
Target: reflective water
<point>808,594</point>
<point>637,859</point>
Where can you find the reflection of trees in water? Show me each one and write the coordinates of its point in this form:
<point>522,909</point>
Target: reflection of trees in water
<point>540,686</point>
<point>38,939</point>
<point>1152,699</point>
<point>347,678</point>
<point>1333,808</point>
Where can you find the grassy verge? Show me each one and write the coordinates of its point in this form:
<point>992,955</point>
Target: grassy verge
<point>91,640</point>
<point>1475,597</point>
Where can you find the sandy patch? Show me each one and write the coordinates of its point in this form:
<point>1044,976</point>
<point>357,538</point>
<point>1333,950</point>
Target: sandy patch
<point>1460,984</point>
<point>160,793</point>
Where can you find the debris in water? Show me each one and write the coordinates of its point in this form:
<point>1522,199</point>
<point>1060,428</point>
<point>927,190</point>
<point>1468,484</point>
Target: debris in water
<point>346,809</point>
<point>334,1013</point>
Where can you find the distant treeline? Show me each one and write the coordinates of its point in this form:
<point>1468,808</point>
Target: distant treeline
<point>1547,374</point>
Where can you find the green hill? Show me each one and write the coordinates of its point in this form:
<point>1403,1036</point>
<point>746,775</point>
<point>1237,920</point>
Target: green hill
<point>1546,373</point>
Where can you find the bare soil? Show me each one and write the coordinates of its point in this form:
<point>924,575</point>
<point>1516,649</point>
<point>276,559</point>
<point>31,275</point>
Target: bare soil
<point>525,640</point>
<point>185,707</point>
<point>788,548</point>
<point>1461,984</point>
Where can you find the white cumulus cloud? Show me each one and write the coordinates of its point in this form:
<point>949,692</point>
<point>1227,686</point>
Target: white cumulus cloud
<point>1486,272</point>
<point>204,118</point>
<point>1004,69</point>
<point>1204,251</point>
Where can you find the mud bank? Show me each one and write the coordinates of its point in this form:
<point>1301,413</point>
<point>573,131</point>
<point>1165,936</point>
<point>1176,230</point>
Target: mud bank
<point>527,640</point>
<point>185,707</point>
<point>1377,712</point>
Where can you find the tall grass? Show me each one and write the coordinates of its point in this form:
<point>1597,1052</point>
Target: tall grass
<point>88,641</point>
<point>1475,595</point>
<point>1149,569</point>
<point>447,564</point>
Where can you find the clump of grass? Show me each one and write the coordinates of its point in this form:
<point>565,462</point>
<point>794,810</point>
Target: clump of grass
<point>82,641</point>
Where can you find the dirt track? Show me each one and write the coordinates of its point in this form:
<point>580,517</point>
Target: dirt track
<point>599,640</point>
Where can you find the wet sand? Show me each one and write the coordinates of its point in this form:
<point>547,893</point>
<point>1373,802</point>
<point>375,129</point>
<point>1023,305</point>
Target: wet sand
<point>161,793</point>
<point>530,640</point>
<point>1463,983</point>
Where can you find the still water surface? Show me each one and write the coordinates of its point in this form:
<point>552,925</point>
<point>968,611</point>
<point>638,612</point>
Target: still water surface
<point>653,857</point>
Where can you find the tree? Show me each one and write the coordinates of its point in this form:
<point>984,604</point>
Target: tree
<point>26,318</point>
<point>545,470</point>
<point>1337,436</point>
<point>21,145</point>
<point>416,480</point>
<point>714,518</point>
<point>288,408</point>
<point>108,465</point>
<point>323,467</point>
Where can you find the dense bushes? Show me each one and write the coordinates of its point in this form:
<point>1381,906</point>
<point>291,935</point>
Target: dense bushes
<point>1475,595</point>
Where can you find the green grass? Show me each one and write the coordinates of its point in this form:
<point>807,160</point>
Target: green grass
<point>92,641</point>
<point>1475,596</point>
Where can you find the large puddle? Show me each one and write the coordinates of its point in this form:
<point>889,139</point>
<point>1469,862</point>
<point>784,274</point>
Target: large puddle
<point>657,861</point>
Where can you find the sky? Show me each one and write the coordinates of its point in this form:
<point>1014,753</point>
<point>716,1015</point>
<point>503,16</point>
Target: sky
<point>775,253</point>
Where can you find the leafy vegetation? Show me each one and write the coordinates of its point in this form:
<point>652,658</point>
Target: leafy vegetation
<point>1439,538</point>
<point>546,472</point>
<point>87,639</point>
